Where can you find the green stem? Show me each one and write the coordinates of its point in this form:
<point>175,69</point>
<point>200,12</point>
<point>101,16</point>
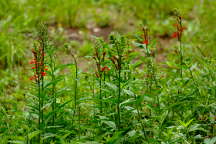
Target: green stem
<point>140,118</point>
<point>181,58</point>
<point>39,109</point>
<point>119,95</point>
<point>101,103</point>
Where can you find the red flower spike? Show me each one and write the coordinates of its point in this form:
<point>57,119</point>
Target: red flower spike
<point>33,67</point>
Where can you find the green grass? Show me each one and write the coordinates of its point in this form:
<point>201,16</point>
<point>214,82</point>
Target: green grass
<point>113,89</point>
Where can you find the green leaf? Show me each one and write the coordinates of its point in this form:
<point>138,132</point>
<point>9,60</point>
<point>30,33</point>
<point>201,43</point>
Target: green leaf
<point>60,67</point>
<point>137,64</point>
<point>131,100</point>
<point>210,140</point>
<point>103,117</point>
<point>53,82</point>
<point>112,86</point>
<point>16,142</point>
<point>33,134</point>
<point>67,133</point>
<point>131,133</point>
<point>115,139</point>
<point>138,44</point>
<point>128,92</point>
<point>185,124</point>
<point>48,135</point>
<point>110,124</point>
<point>196,127</point>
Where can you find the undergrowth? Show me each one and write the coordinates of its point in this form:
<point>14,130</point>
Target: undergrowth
<point>125,95</point>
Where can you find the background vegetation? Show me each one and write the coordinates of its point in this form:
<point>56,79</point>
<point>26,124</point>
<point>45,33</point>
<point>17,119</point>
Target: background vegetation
<point>97,77</point>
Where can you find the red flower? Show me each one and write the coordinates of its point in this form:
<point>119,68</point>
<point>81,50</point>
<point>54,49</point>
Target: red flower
<point>46,68</point>
<point>175,35</point>
<point>179,29</point>
<point>146,42</point>
<point>33,67</point>
<point>33,77</point>
<point>43,73</point>
<point>33,61</point>
<point>105,68</point>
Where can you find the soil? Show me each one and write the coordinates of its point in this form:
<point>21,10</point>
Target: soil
<point>77,34</point>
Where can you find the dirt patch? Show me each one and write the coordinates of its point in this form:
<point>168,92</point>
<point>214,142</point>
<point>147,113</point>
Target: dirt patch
<point>163,46</point>
<point>101,32</point>
<point>74,34</point>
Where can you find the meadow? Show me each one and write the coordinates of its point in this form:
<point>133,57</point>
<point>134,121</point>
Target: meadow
<point>107,72</point>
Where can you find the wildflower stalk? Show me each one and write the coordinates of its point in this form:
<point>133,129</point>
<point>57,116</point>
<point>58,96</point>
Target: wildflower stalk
<point>76,81</point>
<point>119,44</point>
<point>43,40</point>
<point>150,65</point>
<point>100,87</point>
<point>178,35</point>
<point>76,91</point>
<point>119,95</point>
<point>39,73</point>
<point>38,77</point>
<point>181,58</point>
<point>99,58</point>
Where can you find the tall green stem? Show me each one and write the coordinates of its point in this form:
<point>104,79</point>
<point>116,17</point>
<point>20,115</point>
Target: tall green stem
<point>181,58</point>
<point>119,95</point>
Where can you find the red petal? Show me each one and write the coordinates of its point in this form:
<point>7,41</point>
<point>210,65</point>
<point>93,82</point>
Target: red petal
<point>146,42</point>
<point>175,35</point>
<point>43,73</point>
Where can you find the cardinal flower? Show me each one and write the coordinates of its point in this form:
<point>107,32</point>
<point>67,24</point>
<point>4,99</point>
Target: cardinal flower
<point>146,42</point>
<point>105,68</point>
<point>179,29</point>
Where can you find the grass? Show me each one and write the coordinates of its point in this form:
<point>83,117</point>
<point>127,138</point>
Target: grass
<point>107,71</point>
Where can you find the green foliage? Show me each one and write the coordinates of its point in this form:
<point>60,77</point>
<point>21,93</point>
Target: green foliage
<point>116,88</point>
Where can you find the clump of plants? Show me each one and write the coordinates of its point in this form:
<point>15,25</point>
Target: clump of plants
<point>125,96</point>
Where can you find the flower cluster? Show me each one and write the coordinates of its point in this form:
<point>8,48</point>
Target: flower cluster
<point>179,29</point>
<point>99,58</point>
<point>105,69</point>
<point>38,65</point>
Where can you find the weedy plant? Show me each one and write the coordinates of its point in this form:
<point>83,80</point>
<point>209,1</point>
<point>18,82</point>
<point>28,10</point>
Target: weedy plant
<point>151,69</point>
<point>44,104</point>
<point>178,34</point>
<point>128,97</point>
<point>118,45</point>
<point>38,77</point>
<point>99,58</point>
